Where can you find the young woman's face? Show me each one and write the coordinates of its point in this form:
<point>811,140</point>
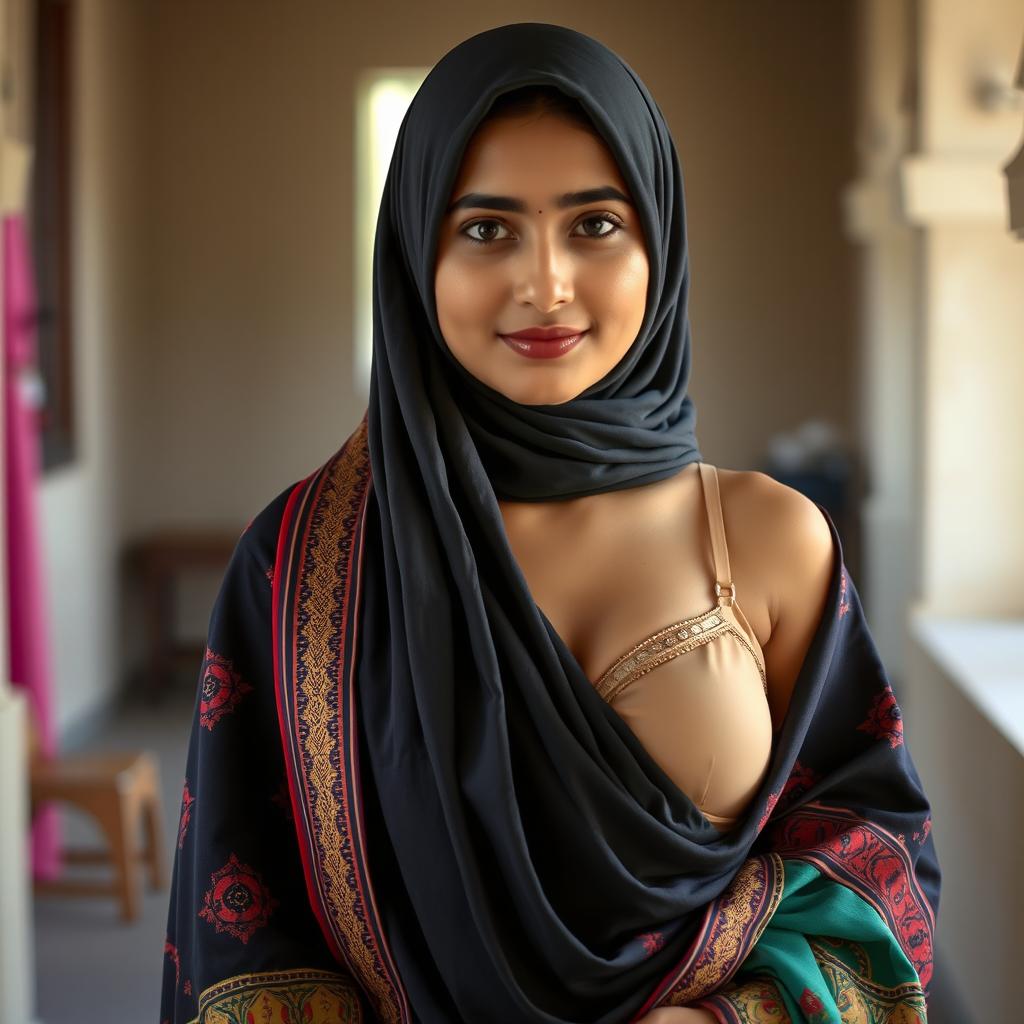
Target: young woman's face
<point>540,232</point>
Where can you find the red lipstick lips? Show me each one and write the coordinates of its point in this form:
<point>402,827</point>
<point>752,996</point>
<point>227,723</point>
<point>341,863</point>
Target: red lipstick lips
<point>544,342</point>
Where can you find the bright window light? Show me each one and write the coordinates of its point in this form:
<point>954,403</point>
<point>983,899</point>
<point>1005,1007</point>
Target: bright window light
<point>383,95</point>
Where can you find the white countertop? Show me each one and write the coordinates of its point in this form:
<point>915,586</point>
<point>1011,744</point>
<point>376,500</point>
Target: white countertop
<point>985,658</point>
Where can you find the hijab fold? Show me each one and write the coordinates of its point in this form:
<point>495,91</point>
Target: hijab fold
<point>634,426</point>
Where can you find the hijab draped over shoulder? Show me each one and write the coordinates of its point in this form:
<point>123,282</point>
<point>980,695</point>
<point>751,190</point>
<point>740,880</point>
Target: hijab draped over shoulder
<point>476,834</point>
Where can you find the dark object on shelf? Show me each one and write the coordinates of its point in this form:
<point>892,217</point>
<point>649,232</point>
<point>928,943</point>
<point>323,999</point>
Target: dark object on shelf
<point>829,487</point>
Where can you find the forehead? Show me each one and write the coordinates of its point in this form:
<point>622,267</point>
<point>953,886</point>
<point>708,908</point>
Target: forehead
<point>535,156</point>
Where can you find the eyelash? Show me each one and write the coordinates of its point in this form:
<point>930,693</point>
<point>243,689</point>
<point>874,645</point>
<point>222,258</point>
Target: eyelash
<point>617,226</point>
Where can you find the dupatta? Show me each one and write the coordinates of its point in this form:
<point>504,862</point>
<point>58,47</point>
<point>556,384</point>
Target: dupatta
<point>404,801</point>
<point>289,902</point>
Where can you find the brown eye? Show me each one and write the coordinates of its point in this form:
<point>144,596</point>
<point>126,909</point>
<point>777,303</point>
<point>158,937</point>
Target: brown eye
<point>487,228</point>
<point>614,225</point>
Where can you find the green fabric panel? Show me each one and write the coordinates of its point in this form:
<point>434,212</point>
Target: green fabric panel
<point>815,906</point>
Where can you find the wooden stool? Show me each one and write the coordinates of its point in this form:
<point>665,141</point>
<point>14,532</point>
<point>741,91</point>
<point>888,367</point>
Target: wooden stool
<point>158,560</point>
<point>119,789</point>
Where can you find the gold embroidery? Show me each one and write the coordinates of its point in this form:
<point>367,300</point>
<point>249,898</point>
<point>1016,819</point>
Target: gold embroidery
<point>668,643</point>
<point>730,937</point>
<point>306,995</point>
<point>756,1001</point>
<point>319,687</point>
<point>859,998</point>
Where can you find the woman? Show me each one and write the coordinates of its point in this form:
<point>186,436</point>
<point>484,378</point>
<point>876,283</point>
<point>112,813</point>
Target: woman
<point>442,767</point>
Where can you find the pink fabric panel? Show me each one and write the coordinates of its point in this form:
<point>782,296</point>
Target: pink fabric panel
<point>29,636</point>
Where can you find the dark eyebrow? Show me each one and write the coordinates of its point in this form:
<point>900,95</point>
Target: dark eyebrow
<point>480,201</point>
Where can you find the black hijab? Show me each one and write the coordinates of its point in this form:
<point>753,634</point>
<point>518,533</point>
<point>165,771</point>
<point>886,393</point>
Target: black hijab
<point>637,424</point>
<point>523,841</point>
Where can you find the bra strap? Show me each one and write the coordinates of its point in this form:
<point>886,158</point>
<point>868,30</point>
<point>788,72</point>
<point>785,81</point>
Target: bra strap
<point>725,589</point>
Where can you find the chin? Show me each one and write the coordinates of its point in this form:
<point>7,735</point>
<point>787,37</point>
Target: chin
<point>545,396</point>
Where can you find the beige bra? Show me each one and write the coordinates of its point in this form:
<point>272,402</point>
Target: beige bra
<point>705,719</point>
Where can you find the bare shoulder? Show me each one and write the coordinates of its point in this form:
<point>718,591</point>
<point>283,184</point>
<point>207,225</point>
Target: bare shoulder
<point>781,541</point>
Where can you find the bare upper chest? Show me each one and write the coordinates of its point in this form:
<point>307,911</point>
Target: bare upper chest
<point>610,569</point>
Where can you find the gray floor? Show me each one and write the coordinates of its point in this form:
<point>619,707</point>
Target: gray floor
<point>91,968</point>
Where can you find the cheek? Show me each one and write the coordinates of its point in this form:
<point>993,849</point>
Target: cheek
<point>464,295</point>
<point>620,292</point>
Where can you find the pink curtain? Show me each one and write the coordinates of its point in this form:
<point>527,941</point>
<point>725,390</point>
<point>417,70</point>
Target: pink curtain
<point>29,639</point>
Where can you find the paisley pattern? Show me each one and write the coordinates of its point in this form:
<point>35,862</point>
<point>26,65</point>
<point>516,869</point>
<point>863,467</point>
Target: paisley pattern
<point>872,862</point>
<point>755,1001</point>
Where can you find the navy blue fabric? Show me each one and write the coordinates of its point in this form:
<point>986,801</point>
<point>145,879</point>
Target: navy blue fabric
<point>235,813</point>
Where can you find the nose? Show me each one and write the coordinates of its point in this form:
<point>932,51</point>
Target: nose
<point>544,276</point>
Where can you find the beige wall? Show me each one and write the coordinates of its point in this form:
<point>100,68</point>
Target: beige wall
<point>252,181</point>
<point>214,296</point>
<point>82,513</point>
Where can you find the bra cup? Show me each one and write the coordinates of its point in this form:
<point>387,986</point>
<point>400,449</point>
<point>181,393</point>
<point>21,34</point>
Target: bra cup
<point>695,693</point>
<point>703,716</point>
<point>735,612</point>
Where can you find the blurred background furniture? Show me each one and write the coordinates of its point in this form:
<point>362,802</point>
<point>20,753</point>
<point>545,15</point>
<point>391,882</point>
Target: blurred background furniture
<point>120,790</point>
<point>157,561</point>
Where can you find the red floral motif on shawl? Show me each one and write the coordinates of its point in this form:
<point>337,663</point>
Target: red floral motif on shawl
<point>884,720</point>
<point>870,858</point>
<point>237,901</point>
<point>172,951</point>
<point>800,780</point>
<point>813,1007</point>
<point>920,837</point>
<point>187,800</point>
<point>652,941</point>
<point>222,689</point>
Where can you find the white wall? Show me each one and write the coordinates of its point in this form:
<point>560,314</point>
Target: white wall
<point>79,502</point>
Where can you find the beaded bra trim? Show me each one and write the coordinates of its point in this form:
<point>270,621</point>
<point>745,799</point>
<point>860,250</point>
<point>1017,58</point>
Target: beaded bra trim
<point>669,643</point>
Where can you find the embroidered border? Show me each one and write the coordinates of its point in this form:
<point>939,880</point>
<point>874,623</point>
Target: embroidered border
<point>754,1000</point>
<point>870,860</point>
<point>732,924</point>
<point>306,995</point>
<point>861,999</point>
<point>315,687</point>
